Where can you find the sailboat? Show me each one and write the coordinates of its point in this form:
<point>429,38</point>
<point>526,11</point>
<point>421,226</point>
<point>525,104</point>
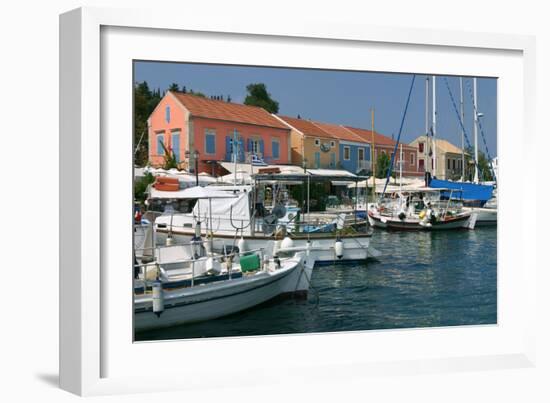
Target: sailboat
<point>474,195</point>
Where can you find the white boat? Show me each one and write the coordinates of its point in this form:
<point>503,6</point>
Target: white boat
<point>164,308</point>
<point>485,216</point>
<point>420,210</point>
<point>231,222</point>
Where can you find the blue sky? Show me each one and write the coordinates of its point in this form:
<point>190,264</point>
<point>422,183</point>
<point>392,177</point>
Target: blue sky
<point>340,97</point>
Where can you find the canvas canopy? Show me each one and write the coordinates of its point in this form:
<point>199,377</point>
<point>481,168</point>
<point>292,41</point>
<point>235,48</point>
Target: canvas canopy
<point>234,205</point>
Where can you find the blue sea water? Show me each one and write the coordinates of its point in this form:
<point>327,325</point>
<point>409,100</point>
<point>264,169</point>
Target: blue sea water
<point>423,279</point>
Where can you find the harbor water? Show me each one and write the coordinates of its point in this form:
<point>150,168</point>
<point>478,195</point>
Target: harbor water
<point>422,279</point>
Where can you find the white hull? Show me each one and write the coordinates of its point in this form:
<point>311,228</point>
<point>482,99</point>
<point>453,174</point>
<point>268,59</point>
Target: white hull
<point>215,300</point>
<point>413,224</point>
<point>485,216</point>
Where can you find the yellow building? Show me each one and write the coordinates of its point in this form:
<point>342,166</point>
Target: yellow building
<point>311,146</point>
<point>449,158</point>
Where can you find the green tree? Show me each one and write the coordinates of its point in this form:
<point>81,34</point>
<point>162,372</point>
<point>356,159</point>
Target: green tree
<point>174,87</point>
<point>197,94</point>
<point>258,96</point>
<point>140,186</point>
<point>382,165</point>
<point>485,171</point>
<point>145,101</point>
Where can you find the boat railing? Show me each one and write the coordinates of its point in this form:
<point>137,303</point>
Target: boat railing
<point>157,263</point>
<point>290,226</point>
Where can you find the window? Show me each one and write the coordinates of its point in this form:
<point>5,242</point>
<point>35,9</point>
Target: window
<point>239,149</point>
<point>176,144</point>
<point>160,143</point>
<point>332,143</point>
<point>275,149</point>
<point>210,141</point>
<point>361,154</point>
<point>167,114</point>
<point>317,159</point>
<point>448,163</point>
<point>254,146</point>
<point>421,147</point>
<point>317,142</point>
<point>346,153</point>
<point>454,164</point>
<point>412,159</point>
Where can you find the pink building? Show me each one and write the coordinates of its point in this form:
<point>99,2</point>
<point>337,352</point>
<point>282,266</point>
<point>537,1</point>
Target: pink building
<point>187,123</point>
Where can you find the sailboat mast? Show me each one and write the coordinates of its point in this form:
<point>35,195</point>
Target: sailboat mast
<point>462,127</point>
<point>373,163</point>
<point>476,116</point>
<point>427,167</point>
<point>400,167</point>
<point>434,127</point>
<point>234,149</point>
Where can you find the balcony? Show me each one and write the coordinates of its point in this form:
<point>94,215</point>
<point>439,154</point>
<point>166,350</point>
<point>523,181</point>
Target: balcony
<point>363,165</point>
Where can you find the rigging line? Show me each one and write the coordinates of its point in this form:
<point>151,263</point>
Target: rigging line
<point>459,119</point>
<point>398,136</point>
<point>139,142</point>
<point>481,129</point>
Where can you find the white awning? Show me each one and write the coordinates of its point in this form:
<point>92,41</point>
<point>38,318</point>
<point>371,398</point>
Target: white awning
<point>331,172</point>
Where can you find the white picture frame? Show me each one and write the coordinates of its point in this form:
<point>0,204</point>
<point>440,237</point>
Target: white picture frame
<point>97,357</point>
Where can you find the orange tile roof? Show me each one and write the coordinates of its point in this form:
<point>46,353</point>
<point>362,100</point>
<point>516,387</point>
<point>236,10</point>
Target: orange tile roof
<point>379,139</point>
<point>338,132</point>
<point>209,108</point>
<point>306,127</point>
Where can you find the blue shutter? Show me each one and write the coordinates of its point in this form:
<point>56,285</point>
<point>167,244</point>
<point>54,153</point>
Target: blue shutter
<point>317,160</point>
<point>332,160</point>
<point>176,146</point>
<point>249,145</point>
<point>241,149</point>
<point>262,148</point>
<point>228,148</point>
<point>275,149</point>
<point>210,143</point>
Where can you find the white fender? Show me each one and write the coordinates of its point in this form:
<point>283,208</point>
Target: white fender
<point>242,245</point>
<point>158,298</point>
<point>339,248</point>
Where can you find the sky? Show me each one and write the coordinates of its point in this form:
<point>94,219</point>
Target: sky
<point>343,97</point>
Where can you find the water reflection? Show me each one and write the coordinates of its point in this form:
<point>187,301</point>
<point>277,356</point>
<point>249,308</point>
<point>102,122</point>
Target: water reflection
<point>423,279</point>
